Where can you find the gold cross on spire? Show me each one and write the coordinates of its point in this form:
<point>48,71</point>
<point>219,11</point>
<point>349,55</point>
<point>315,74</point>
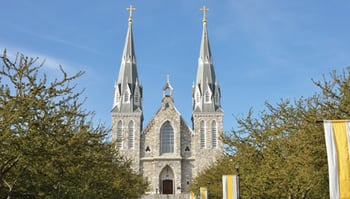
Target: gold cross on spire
<point>205,10</point>
<point>130,9</point>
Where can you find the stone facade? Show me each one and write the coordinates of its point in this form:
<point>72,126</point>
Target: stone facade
<point>167,152</point>
<point>176,165</point>
<point>187,158</point>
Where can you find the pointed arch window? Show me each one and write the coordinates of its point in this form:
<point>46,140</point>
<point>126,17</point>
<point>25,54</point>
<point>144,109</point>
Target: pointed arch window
<point>202,134</point>
<point>207,96</point>
<point>127,96</point>
<point>197,97</point>
<point>137,98</point>
<point>131,135</point>
<point>214,141</point>
<point>117,96</point>
<point>120,135</point>
<point>167,138</point>
<point>217,98</point>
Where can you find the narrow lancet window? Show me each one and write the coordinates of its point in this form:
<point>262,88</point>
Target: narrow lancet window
<point>202,134</point>
<point>197,97</point>
<point>131,135</point>
<point>127,97</point>
<point>117,96</point>
<point>207,97</point>
<point>120,135</point>
<point>214,141</point>
<point>137,98</point>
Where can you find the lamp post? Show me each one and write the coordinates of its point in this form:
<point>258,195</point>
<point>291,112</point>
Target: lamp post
<point>238,181</point>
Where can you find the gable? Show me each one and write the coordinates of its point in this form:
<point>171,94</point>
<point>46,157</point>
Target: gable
<point>166,112</point>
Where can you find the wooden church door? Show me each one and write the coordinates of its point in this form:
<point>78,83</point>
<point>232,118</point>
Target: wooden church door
<point>166,180</point>
<point>167,187</point>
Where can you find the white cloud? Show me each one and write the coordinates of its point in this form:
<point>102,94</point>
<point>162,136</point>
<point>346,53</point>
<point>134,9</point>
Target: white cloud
<point>51,64</point>
<point>53,39</point>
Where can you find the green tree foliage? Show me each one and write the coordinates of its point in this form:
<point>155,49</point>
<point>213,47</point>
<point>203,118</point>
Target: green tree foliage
<point>281,152</point>
<point>211,178</point>
<point>335,96</point>
<point>48,145</point>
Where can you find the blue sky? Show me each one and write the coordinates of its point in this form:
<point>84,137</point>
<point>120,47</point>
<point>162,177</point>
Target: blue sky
<point>263,50</point>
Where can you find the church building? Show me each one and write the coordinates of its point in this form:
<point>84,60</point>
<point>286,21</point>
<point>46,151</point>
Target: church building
<point>167,151</point>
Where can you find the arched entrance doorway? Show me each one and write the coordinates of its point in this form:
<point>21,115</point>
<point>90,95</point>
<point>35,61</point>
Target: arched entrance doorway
<point>166,180</point>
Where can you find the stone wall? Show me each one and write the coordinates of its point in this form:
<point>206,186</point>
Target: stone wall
<point>132,154</point>
<point>205,157</point>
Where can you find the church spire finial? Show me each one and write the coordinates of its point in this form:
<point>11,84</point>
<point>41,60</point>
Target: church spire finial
<point>130,9</point>
<point>205,10</point>
<point>168,89</point>
<point>168,79</point>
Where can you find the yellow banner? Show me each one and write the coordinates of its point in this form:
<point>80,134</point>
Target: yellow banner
<point>229,187</point>
<point>203,193</point>
<point>341,142</point>
<point>192,196</point>
<point>337,134</point>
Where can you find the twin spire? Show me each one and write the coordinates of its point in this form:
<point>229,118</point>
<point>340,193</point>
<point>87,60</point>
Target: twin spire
<point>128,91</point>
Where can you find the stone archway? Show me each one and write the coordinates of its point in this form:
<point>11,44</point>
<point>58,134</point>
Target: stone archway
<point>166,180</point>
